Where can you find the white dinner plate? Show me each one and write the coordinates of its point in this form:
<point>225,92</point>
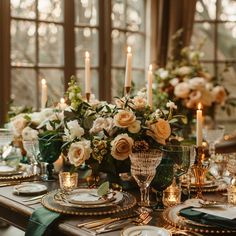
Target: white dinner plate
<point>30,189</point>
<point>145,230</point>
<point>8,170</point>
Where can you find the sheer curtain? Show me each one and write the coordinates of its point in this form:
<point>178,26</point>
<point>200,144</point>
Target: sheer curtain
<point>168,16</point>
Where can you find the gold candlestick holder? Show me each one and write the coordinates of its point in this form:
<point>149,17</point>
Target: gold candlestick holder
<point>127,90</point>
<point>87,95</point>
<point>199,170</point>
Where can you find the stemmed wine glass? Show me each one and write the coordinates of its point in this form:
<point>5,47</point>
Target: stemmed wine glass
<point>212,137</point>
<point>6,136</point>
<point>32,149</point>
<point>143,169</point>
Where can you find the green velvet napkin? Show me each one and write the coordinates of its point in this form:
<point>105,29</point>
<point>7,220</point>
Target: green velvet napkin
<point>208,219</point>
<point>39,222</point>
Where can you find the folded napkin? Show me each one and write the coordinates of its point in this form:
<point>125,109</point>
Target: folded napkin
<point>209,219</point>
<point>40,221</point>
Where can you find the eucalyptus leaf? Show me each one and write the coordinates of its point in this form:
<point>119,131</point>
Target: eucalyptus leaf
<point>103,189</point>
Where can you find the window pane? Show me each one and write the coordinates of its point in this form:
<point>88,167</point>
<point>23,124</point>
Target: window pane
<point>205,10</point>
<point>55,82</point>
<point>94,81</point>
<point>138,79</point>
<point>51,10</point>
<point>86,12</point>
<point>23,87</point>
<point>118,48</point>
<point>86,40</point>
<point>135,15</point>
<point>137,42</point>
<point>118,77</point>
<point>227,10</point>
<point>204,33</point>
<point>22,42</point>
<point>51,46</point>
<point>226,41</point>
<point>118,14</point>
<point>23,8</point>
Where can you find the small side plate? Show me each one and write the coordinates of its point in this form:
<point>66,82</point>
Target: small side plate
<point>30,189</point>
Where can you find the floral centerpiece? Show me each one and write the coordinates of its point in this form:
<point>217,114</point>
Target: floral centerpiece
<point>186,82</point>
<point>103,135</point>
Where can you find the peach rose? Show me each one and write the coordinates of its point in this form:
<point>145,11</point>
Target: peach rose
<point>121,146</point>
<point>135,127</point>
<point>79,152</point>
<point>159,131</point>
<point>124,119</point>
<point>219,94</point>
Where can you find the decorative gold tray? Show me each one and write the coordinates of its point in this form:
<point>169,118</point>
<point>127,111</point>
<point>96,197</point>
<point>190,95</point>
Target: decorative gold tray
<point>172,217</point>
<point>49,201</point>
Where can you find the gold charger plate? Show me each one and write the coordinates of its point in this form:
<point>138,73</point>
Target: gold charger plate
<point>172,217</point>
<point>49,201</point>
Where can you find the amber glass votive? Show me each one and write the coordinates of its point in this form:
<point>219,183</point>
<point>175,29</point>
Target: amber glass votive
<point>68,181</point>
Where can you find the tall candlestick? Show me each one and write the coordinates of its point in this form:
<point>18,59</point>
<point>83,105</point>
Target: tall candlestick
<point>199,126</point>
<point>44,93</point>
<point>128,71</point>
<point>87,73</point>
<point>149,86</point>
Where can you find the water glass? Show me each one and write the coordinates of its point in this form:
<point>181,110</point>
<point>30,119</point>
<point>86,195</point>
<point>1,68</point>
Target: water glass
<point>143,169</point>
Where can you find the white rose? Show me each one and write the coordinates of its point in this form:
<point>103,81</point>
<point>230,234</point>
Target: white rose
<point>197,83</point>
<point>102,123</point>
<point>79,152</point>
<point>74,129</point>
<point>164,74</point>
<point>29,134</point>
<point>135,127</point>
<point>219,94</point>
<point>184,70</point>
<point>174,82</point>
<point>159,131</point>
<point>194,99</point>
<point>124,119</point>
<point>182,90</point>
<point>18,124</point>
<point>121,146</point>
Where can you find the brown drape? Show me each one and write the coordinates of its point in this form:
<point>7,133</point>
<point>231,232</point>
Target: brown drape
<point>168,16</point>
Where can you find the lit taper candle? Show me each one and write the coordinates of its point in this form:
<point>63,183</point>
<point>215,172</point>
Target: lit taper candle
<point>128,71</point>
<point>199,126</point>
<point>44,93</point>
<point>87,73</point>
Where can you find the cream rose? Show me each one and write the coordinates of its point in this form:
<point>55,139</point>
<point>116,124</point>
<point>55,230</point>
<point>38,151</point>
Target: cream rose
<point>139,102</point>
<point>29,134</point>
<point>182,90</point>
<point>102,123</point>
<point>79,152</point>
<point>219,94</point>
<point>121,146</point>
<point>197,83</point>
<point>159,131</point>
<point>124,119</point>
<point>135,127</point>
<point>184,70</point>
<point>18,124</point>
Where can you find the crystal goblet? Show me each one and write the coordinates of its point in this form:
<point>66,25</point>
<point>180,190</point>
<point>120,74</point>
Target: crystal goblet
<point>212,136</point>
<point>143,169</point>
<point>32,149</point>
<point>6,136</point>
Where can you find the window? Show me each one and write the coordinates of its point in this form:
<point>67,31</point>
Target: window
<point>215,24</point>
<point>37,49</point>
<point>50,36</point>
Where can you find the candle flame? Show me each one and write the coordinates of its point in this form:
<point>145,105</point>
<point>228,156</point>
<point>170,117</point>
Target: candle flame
<point>199,106</point>
<point>43,81</point>
<point>62,100</point>
<point>87,54</point>
<point>129,49</point>
<point>150,67</point>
